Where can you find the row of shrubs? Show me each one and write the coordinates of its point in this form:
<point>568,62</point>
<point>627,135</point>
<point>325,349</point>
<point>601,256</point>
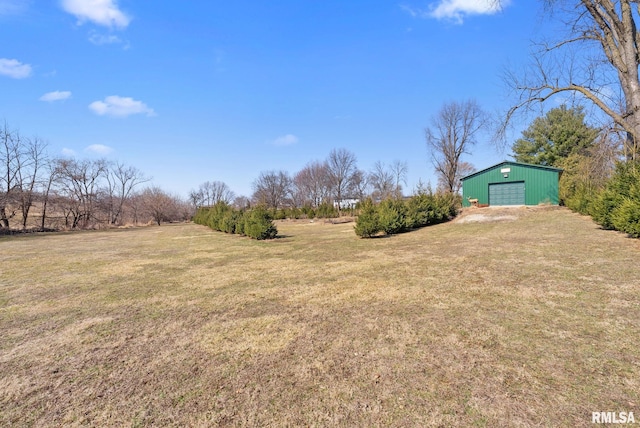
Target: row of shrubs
<point>324,210</point>
<point>617,206</point>
<point>256,223</point>
<point>396,215</point>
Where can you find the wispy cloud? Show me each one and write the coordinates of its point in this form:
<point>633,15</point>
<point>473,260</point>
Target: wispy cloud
<point>103,39</point>
<point>68,152</point>
<point>106,39</point>
<point>416,13</point>
<point>14,68</point>
<point>13,7</point>
<point>100,12</point>
<point>285,140</point>
<point>120,107</point>
<point>55,96</point>
<point>457,10</point>
<point>98,149</point>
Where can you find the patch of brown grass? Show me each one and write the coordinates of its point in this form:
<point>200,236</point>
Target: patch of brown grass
<point>530,322</point>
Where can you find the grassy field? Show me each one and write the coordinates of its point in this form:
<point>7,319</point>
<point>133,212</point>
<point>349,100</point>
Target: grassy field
<point>533,321</point>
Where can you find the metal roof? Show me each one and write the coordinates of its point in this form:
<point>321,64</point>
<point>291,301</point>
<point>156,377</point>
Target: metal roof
<point>548,168</point>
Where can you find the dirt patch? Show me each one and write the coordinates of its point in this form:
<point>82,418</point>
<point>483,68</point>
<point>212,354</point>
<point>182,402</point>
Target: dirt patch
<point>499,214</point>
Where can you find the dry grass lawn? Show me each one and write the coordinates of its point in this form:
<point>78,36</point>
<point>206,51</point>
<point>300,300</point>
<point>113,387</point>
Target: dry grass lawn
<point>529,320</point>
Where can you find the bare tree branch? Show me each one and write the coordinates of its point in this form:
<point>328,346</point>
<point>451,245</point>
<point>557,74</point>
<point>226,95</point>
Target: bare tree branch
<point>601,51</point>
<point>452,133</point>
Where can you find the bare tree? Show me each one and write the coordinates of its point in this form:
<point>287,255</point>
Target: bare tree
<point>382,181</point>
<point>400,170</point>
<point>601,159</point>
<point>464,169</point>
<point>9,173</point>
<point>312,183</point>
<point>30,165</point>
<point>121,181</point>
<point>452,133</point>
<point>210,193</point>
<point>81,186</point>
<point>241,202</point>
<point>596,61</point>
<point>161,206</point>
<point>341,166</point>
<point>272,188</point>
<point>135,206</point>
<point>21,161</point>
<point>220,192</point>
<point>157,203</point>
<point>196,197</point>
<point>360,185</point>
<point>79,193</point>
<point>52,173</point>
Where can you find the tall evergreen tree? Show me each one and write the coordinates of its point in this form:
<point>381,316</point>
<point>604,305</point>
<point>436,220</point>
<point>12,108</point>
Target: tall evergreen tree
<point>554,137</point>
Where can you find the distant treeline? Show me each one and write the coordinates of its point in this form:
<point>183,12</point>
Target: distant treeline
<point>41,192</point>
<point>322,188</point>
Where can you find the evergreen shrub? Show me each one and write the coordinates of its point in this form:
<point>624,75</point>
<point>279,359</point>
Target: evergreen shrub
<point>616,207</point>
<point>259,225</point>
<point>256,223</point>
<point>393,216</point>
<point>326,210</point>
<point>367,223</point>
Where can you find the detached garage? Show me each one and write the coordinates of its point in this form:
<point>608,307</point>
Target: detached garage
<point>512,183</point>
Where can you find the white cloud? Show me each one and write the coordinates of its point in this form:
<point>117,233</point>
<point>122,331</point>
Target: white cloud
<point>55,96</point>
<point>98,149</point>
<point>103,39</point>
<point>101,12</point>
<point>68,152</point>
<point>107,39</point>
<point>14,68</point>
<point>285,140</point>
<point>120,107</point>
<point>457,10</point>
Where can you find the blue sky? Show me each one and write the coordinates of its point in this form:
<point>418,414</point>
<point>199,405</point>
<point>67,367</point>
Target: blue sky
<point>198,91</point>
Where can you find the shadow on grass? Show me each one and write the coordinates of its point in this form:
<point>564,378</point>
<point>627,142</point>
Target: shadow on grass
<point>281,237</point>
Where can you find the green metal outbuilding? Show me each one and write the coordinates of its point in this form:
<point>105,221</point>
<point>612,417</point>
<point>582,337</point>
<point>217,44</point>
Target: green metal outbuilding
<point>512,183</point>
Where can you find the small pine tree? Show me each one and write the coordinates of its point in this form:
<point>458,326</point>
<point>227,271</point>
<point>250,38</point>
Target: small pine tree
<point>240,222</point>
<point>614,206</point>
<point>259,224</point>
<point>391,216</point>
<point>626,217</point>
<point>367,223</point>
<point>420,209</point>
<point>446,207</point>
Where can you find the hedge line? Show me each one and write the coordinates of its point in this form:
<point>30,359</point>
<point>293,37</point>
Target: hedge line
<point>256,223</point>
<point>395,216</point>
<point>617,207</point>
<point>324,210</point>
